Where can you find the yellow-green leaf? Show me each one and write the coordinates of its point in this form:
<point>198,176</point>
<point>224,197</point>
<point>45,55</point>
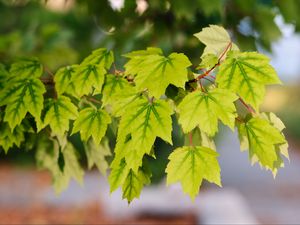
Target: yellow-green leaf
<point>134,183</point>
<point>63,80</point>
<point>215,38</point>
<point>155,71</point>
<point>204,109</point>
<point>92,122</point>
<point>116,87</point>
<point>96,154</point>
<point>89,75</point>
<point>144,121</point>
<point>26,68</point>
<point>261,138</point>
<point>58,113</point>
<point>189,165</point>
<point>118,175</point>
<point>9,138</point>
<point>247,74</point>
<point>20,97</point>
<point>47,156</point>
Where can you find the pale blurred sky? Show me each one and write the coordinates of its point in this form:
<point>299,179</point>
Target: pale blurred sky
<point>286,53</point>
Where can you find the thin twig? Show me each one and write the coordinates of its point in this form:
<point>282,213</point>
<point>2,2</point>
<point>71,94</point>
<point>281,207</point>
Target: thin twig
<point>93,100</point>
<point>206,73</point>
<point>47,81</point>
<point>205,78</point>
<point>47,70</point>
<point>247,106</point>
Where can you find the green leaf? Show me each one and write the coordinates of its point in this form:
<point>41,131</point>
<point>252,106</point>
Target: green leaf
<point>47,156</point>
<point>190,165</point>
<point>88,77</point>
<point>58,113</point>
<point>281,149</point>
<point>204,109</point>
<point>261,138</point>
<point>134,184</point>
<point>22,96</point>
<point>63,80</point>
<point>90,73</point>
<point>247,74</point>
<point>215,38</point>
<point>26,68</point>
<point>96,155</point>
<point>116,88</point>
<point>124,102</point>
<point>155,71</point>
<point>118,175</point>
<point>72,166</point>
<point>122,148</point>
<point>118,94</point>
<point>144,121</point>
<point>100,56</point>
<point>208,61</point>
<point>47,153</point>
<point>92,122</point>
<point>9,138</point>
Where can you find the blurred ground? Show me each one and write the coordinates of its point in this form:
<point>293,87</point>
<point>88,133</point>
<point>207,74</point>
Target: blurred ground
<point>26,197</point>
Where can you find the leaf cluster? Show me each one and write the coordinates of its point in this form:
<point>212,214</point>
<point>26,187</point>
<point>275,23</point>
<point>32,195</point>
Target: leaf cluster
<point>94,98</point>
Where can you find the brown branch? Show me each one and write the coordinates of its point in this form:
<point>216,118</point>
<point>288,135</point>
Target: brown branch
<point>47,81</point>
<point>206,73</point>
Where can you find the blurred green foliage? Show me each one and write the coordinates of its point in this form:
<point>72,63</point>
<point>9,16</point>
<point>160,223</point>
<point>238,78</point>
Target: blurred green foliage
<point>65,35</point>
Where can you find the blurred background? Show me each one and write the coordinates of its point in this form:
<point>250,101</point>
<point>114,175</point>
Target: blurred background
<point>63,32</point>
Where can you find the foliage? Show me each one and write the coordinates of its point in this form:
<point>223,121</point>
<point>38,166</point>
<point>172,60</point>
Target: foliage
<point>64,34</point>
<point>97,100</point>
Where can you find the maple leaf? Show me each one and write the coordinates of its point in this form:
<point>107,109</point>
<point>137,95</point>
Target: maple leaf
<point>118,175</point>
<point>90,73</point>
<point>134,183</point>
<point>115,87</point>
<point>63,80</point>
<point>204,109</point>
<point>247,73</point>
<point>9,138</point>
<point>215,38</point>
<point>47,157</point>
<point>58,113</point>
<point>261,138</point>
<point>91,122</point>
<point>155,71</point>
<point>20,97</point>
<point>190,165</point>
<point>26,68</point>
<point>96,154</point>
<point>144,121</point>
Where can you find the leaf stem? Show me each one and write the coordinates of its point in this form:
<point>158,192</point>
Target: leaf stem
<point>91,99</point>
<point>47,81</point>
<point>247,106</point>
<point>47,70</point>
<point>206,73</point>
